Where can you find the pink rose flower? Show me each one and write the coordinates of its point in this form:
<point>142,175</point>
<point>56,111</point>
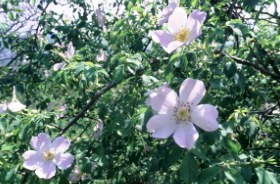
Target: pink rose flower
<point>98,129</point>
<point>181,29</point>
<point>178,115</point>
<point>58,66</point>
<point>100,15</point>
<point>47,155</point>
<point>101,56</point>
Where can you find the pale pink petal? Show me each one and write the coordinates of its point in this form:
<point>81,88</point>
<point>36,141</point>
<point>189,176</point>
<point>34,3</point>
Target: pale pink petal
<point>205,116</point>
<point>162,37</point>
<point>46,170</point>
<point>100,17</point>
<point>58,66</point>
<point>161,126</point>
<point>32,159</point>
<point>16,106</point>
<point>192,91</point>
<point>172,46</point>
<point>3,108</point>
<point>199,16</point>
<point>163,100</point>
<point>167,11</point>
<point>194,30</point>
<point>177,20</point>
<point>63,160</point>
<point>70,51</point>
<point>185,135</point>
<point>60,144</point>
<point>42,142</point>
<point>162,20</point>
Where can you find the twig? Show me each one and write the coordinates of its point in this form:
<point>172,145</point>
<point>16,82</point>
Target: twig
<point>94,98</point>
<point>254,65</point>
<point>39,23</point>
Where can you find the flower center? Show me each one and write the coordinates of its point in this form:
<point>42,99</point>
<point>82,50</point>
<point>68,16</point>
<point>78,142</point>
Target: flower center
<point>48,155</point>
<point>182,113</point>
<point>182,35</point>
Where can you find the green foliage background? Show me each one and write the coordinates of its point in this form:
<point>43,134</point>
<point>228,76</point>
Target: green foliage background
<point>237,58</point>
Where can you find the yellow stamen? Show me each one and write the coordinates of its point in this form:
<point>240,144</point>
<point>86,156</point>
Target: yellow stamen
<point>48,155</point>
<point>182,35</point>
<point>182,113</point>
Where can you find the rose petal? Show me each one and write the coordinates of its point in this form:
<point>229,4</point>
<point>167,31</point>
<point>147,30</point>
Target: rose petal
<point>42,142</point>
<point>163,20</point>
<point>63,160</point>
<point>58,66</point>
<point>172,46</point>
<point>192,91</point>
<point>70,51</point>
<point>199,16</point>
<point>205,116</point>
<point>60,144</point>
<point>16,106</point>
<point>177,20</point>
<point>185,135</point>
<point>32,159</point>
<point>161,37</point>
<point>46,170</point>
<point>161,126</point>
<point>3,108</point>
<point>163,100</point>
<point>167,11</point>
<point>194,28</point>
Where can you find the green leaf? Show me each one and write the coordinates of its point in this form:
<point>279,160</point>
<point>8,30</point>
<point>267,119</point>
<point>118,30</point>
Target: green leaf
<point>230,69</point>
<point>234,176</point>
<point>240,80</point>
<point>23,132</point>
<point>11,16</point>
<point>233,146</point>
<point>216,84</point>
<point>265,177</point>
<point>207,175</point>
<point>10,174</point>
<point>247,173</point>
<point>238,27</point>
<point>195,3</point>
<point>189,169</point>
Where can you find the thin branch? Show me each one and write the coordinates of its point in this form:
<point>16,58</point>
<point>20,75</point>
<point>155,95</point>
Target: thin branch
<point>231,7</point>
<point>264,148</point>
<point>94,98</point>
<point>254,65</point>
<point>39,23</point>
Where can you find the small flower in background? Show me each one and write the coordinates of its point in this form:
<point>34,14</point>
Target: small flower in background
<point>61,109</point>
<point>167,11</point>
<point>47,155</point>
<point>97,129</point>
<point>57,107</point>
<point>177,115</point>
<point>76,175</point>
<point>70,52</point>
<point>15,105</point>
<point>182,29</point>
<point>58,66</point>
<point>100,17</point>
<point>101,56</point>
<point>3,107</point>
